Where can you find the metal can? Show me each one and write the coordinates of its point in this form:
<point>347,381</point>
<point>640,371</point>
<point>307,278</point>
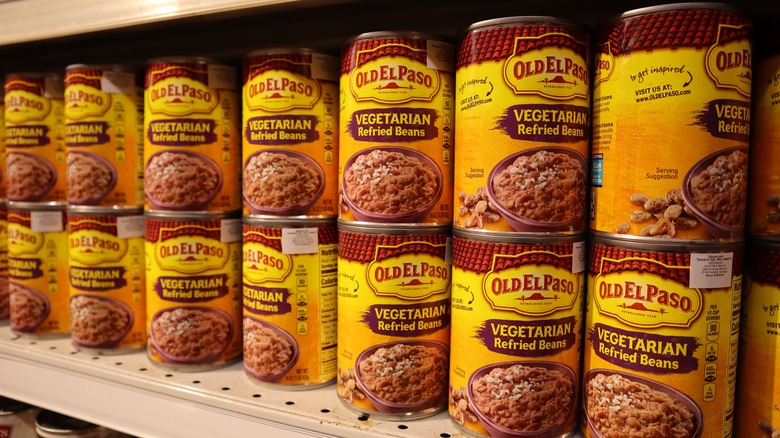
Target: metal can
<point>4,293</point>
<point>517,305</point>
<point>104,136</point>
<point>191,142</point>
<point>671,118</point>
<point>396,123</point>
<point>193,284</point>
<point>17,419</point>
<point>523,126</point>
<point>106,279</point>
<point>290,133</point>
<point>758,389</point>
<point>3,176</point>
<point>35,138</point>
<point>37,245</point>
<point>394,311</point>
<point>662,327</point>
<point>290,279</point>
<point>50,424</point>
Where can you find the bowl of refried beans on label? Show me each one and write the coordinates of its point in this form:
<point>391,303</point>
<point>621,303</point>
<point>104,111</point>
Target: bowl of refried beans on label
<point>90,178</point>
<point>618,405</point>
<point>181,180</point>
<point>540,189</point>
<point>281,182</point>
<point>269,351</point>
<point>30,177</point>
<point>190,334</point>
<point>523,399</point>
<point>391,184</point>
<point>715,189</point>
<point>29,307</point>
<point>98,322</point>
<point>404,376</point>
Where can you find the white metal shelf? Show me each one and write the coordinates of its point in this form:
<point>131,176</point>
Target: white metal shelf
<point>128,393</point>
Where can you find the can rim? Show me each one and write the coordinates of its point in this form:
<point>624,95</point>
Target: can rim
<point>514,237</point>
<point>400,34</point>
<point>679,7</point>
<point>286,221</point>
<point>411,229</point>
<point>192,215</point>
<point>529,19</point>
<point>183,59</point>
<point>285,50</point>
<point>669,245</point>
<point>105,67</point>
<point>37,206</point>
<point>29,74</point>
<point>107,210</point>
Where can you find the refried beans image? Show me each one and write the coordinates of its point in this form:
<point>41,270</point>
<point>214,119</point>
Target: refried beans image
<point>404,373</point>
<point>544,186</point>
<point>266,350</point>
<point>523,398</point>
<point>28,308</point>
<point>277,180</point>
<point>29,177</point>
<point>189,334</point>
<point>5,298</point>
<point>90,178</point>
<point>181,180</point>
<point>390,182</point>
<point>719,191</point>
<point>619,407</point>
<point>97,321</point>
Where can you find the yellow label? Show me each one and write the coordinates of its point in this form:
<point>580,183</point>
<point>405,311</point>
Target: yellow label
<point>180,96</point>
<point>554,72</point>
<point>263,263</point>
<point>279,90</point>
<point>191,254</point>
<point>399,81</point>
<point>604,66</point>
<point>408,277</point>
<point>23,106</point>
<point>93,248</point>
<point>83,101</point>
<point>730,64</point>
<point>25,241</point>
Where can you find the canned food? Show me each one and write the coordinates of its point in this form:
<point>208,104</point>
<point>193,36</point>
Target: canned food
<point>50,424</point>
<point>523,119</point>
<point>3,177</point>
<point>193,278</point>
<point>764,194</point>
<point>191,142</point>
<point>396,122</point>
<point>34,138</point>
<point>38,286</point>
<point>4,294</point>
<point>106,276</point>
<point>517,307</point>
<point>103,136</point>
<point>671,119</point>
<point>662,326</point>
<point>290,276</point>
<point>290,120</point>
<point>758,390</point>
<point>394,319</point>
<point>17,419</point>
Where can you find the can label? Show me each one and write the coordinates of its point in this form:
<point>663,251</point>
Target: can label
<point>4,295</point>
<point>104,137</point>
<point>393,308</point>
<point>3,177</point>
<point>661,328</point>
<point>34,139</point>
<point>681,173</point>
<point>193,300</point>
<point>758,390</point>
<point>523,119</point>
<point>191,141</point>
<point>290,304</point>
<point>106,274</point>
<point>37,245</point>
<point>290,120</point>
<point>396,122</point>
<point>516,319</point>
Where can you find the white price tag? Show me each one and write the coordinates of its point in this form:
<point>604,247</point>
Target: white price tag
<point>46,221</point>
<point>53,88</point>
<point>441,56</point>
<point>299,241</point>
<point>128,227</point>
<point>222,77</point>
<point>711,270</point>
<point>326,68</point>
<point>117,82</point>
<point>578,257</point>
<point>230,231</point>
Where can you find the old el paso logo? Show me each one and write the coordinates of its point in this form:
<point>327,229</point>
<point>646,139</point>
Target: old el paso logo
<point>23,241</point>
<point>552,72</point>
<point>22,106</point>
<point>730,64</point>
<point>644,300</point>
<point>84,101</point>
<point>410,276</point>
<point>279,90</point>
<point>398,82</point>
<point>531,290</point>
<point>190,255</point>
<point>91,249</point>
<point>604,65</point>
<point>178,96</point>
<point>262,263</point>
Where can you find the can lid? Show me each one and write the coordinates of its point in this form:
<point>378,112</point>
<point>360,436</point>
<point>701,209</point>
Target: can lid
<point>521,20</point>
<point>392,229</point>
<point>56,423</point>
<point>517,237</point>
<point>10,406</point>
<point>36,206</point>
<point>678,7</point>
<point>191,215</point>
<point>398,34</point>
<point>34,75</point>
<point>104,67</point>
<point>183,59</point>
<point>115,210</point>
<point>287,222</point>
<point>672,245</point>
<point>287,50</point>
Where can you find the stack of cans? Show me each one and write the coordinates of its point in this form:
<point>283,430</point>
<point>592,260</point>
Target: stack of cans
<point>395,212</point>
<point>34,183</point>
<point>192,211</point>
<point>290,165</point>
<point>522,117</point>
<point>104,157</point>
<point>671,118</point>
